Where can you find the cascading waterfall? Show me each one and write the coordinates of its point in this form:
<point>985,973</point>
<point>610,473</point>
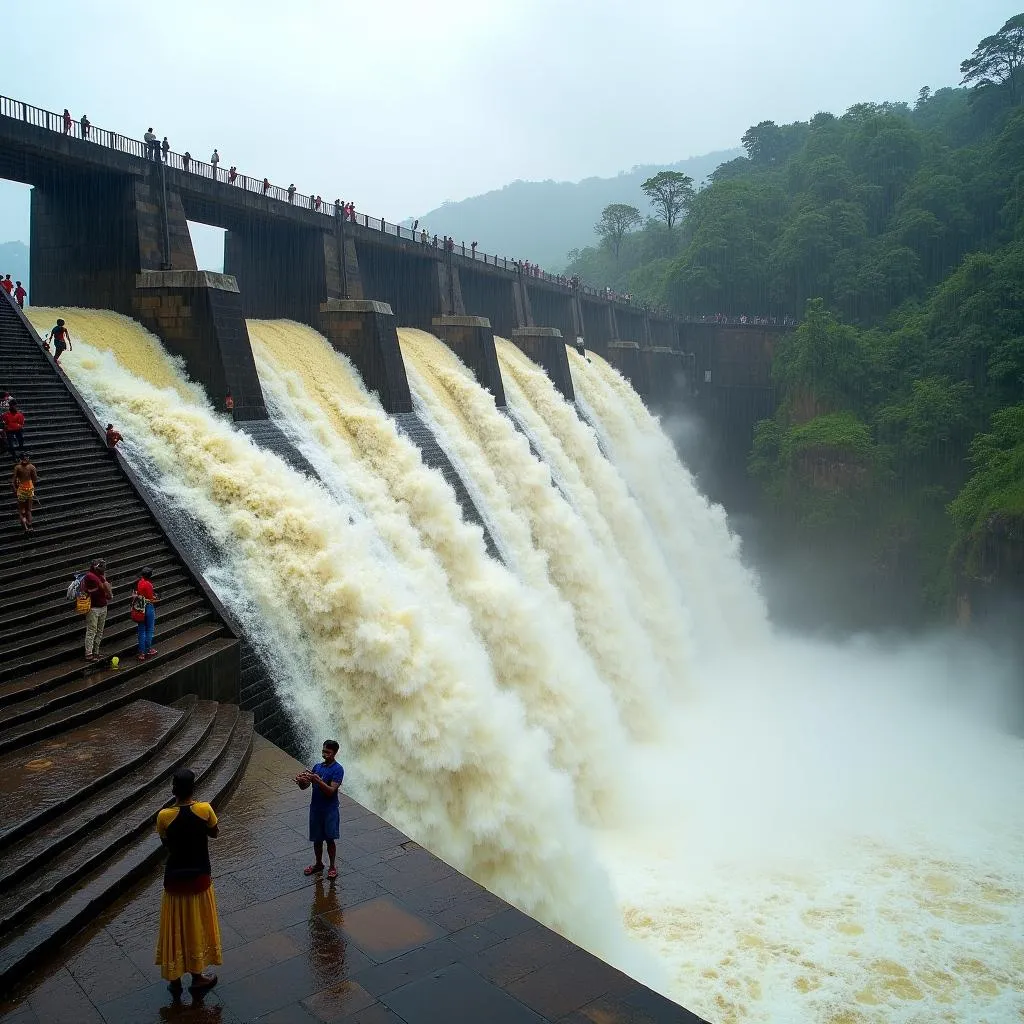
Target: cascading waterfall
<point>601,497</point>
<point>810,832</point>
<point>532,646</point>
<point>435,743</point>
<point>698,544</point>
<point>516,487</point>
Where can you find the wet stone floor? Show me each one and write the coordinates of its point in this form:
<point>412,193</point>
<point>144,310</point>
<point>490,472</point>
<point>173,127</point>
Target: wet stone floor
<point>399,938</point>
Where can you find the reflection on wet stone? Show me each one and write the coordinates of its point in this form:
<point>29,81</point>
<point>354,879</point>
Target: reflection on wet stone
<point>399,938</point>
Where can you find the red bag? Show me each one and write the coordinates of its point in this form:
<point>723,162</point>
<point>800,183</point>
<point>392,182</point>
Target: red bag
<point>137,608</point>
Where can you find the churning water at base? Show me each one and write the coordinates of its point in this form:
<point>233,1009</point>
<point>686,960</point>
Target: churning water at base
<point>605,731</point>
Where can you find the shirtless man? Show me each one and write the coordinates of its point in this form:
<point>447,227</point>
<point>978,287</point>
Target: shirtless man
<point>61,337</point>
<point>23,483</point>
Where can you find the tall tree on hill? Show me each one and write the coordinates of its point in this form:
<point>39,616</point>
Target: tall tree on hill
<point>671,192</point>
<point>998,61</point>
<point>617,219</point>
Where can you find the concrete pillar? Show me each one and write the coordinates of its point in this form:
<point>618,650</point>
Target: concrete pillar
<point>366,331</point>
<point>626,357</point>
<point>665,374</point>
<point>472,340</point>
<point>577,319</point>
<point>663,333</point>
<point>524,312</point>
<point>449,289</point>
<point>545,346</point>
<point>93,232</point>
<point>198,316</point>
<point>342,279</point>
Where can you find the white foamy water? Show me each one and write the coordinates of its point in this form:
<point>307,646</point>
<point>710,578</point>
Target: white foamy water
<point>807,832</point>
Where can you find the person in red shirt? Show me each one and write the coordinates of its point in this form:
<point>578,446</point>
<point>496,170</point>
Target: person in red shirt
<point>19,294</point>
<point>113,437</point>
<point>143,603</point>
<point>95,585</point>
<point>7,284</point>
<point>14,427</point>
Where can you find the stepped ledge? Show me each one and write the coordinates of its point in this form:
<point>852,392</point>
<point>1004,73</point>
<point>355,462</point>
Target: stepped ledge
<point>399,937</point>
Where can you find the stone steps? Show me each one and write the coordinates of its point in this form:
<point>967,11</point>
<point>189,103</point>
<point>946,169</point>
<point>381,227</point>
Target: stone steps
<point>29,697</point>
<point>90,702</point>
<point>90,862</point>
<point>435,457</point>
<point>85,750</point>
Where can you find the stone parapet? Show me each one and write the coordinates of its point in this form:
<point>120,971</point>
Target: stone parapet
<point>545,346</point>
<point>198,316</point>
<point>366,331</point>
<point>472,340</point>
<point>627,358</point>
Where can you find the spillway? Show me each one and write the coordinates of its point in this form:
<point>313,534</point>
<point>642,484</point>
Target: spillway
<point>601,725</point>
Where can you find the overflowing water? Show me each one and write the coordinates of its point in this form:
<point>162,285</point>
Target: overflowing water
<point>604,729</point>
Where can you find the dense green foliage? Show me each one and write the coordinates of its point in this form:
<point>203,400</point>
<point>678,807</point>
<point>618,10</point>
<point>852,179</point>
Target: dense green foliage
<point>896,233</point>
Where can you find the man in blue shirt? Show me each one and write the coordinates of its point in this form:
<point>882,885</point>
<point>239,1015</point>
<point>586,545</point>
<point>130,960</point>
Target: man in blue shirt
<point>324,809</point>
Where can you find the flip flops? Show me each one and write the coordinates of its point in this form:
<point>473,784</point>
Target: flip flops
<point>313,869</point>
<point>332,873</point>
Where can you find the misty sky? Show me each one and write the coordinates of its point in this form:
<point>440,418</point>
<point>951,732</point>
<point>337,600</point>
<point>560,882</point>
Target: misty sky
<point>400,105</point>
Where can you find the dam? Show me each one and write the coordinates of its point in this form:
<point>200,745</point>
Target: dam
<point>469,550</point>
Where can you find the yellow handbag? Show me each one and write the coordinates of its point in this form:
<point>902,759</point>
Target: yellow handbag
<point>83,603</point>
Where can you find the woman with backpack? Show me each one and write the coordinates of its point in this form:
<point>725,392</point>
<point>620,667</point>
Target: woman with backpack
<point>143,613</point>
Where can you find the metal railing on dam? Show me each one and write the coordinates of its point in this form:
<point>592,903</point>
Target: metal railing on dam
<point>231,178</point>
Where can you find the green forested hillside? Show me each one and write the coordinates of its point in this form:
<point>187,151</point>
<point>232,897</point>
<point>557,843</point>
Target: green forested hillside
<point>896,233</point>
<point>541,221</point>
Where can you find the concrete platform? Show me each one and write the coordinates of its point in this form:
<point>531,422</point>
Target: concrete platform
<point>399,938</point>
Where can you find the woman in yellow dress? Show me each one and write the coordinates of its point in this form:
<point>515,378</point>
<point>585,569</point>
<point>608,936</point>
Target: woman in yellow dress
<point>189,938</point>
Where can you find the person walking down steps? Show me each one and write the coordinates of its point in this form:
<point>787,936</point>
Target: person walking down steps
<point>96,588</point>
<point>143,613</point>
<point>61,338</point>
<point>24,483</point>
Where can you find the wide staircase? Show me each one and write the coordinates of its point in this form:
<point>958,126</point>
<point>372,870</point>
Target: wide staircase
<point>87,749</point>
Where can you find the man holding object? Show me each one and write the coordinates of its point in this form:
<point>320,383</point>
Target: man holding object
<point>324,807</point>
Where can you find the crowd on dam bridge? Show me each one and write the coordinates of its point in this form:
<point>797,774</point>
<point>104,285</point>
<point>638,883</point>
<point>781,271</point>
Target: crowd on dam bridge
<point>152,147</point>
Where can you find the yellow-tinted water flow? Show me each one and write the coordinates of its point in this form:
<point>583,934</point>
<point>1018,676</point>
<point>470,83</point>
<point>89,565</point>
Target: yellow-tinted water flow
<point>821,838</point>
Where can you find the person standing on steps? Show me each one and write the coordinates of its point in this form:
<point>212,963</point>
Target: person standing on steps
<point>324,807</point>
<point>19,294</point>
<point>114,437</point>
<point>5,407</point>
<point>189,937</point>
<point>14,428</point>
<point>97,589</point>
<point>143,613</point>
<point>24,483</point>
<point>61,340</point>
<point>7,284</point>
